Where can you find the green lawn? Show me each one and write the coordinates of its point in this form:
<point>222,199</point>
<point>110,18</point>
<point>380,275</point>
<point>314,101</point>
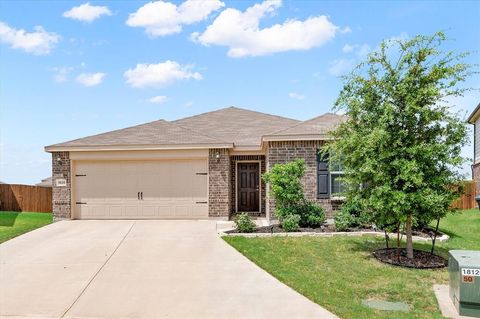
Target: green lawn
<point>338,273</point>
<point>13,224</point>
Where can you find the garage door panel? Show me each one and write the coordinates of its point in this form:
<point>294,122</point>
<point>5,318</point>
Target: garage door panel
<point>116,211</point>
<point>165,211</point>
<point>171,189</point>
<point>182,211</point>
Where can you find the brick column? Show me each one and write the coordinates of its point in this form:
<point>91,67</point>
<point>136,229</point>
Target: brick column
<point>61,195</point>
<point>219,185</point>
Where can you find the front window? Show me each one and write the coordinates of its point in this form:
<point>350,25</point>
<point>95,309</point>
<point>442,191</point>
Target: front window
<point>329,174</point>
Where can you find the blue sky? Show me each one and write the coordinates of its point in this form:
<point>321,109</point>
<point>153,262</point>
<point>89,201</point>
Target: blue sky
<point>81,68</point>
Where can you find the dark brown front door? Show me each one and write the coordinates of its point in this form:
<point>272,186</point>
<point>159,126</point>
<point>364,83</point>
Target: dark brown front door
<point>248,187</point>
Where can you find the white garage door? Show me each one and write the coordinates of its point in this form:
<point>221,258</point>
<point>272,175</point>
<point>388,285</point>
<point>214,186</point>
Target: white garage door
<point>164,189</point>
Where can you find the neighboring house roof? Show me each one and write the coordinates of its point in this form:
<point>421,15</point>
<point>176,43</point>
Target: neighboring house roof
<point>224,128</point>
<point>46,182</point>
<point>240,126</point>
<point>475,114</point>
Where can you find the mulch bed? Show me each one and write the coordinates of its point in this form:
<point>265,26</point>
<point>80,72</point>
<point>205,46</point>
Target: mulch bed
<point>421,259</point>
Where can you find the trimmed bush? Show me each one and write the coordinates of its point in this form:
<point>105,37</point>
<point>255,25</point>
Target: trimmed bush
<point>343,220</point>
<point>290,223</point>
<point>244,223</point>
<point>311,214</point>
<point>350,216</point>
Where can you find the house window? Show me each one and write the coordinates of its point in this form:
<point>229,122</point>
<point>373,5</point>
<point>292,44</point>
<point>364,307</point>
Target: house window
<point>328,177</point>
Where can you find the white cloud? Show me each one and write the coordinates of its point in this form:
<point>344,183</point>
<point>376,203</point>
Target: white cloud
<point>188,103</point>
<point>341,66</point>
<point>90,79</point>
<point>347,48</point>
<point>61,74</point>
<point>160,18</point>
<point>296,96</point>
<point>157,99</point>
<point>241,33</point>
<point>160,74</point>
<point>38,42</point>
<point>87,12</point>
<point>361,50</point>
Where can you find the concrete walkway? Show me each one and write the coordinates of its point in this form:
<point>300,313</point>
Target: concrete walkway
<point>138,269</point>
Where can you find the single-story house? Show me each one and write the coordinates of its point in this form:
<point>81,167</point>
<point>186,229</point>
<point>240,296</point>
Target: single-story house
<point>204,166</point>
<point>474,119</point>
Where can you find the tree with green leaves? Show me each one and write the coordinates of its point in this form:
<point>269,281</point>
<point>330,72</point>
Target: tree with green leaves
<point>400,145</point>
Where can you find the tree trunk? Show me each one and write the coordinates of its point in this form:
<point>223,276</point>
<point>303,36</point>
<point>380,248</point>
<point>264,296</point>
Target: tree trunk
<point>398,235</point>
<point>435,235</point>
<point>386,238</point>
<point>408,231</point>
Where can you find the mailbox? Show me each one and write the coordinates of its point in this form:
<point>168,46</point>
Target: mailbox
<point>464,273</point>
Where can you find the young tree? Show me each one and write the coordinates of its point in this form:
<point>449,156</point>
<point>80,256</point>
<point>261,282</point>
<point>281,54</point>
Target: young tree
<point>400,146</point>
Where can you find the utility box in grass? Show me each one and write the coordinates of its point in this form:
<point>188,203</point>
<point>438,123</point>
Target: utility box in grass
<point>464,272</point>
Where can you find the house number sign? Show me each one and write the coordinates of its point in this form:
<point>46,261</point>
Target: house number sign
<point>61,182</point>
<point>471,272</point>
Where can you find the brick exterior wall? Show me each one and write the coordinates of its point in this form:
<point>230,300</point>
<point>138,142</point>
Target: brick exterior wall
<point>61,196</point>
<point>219,185</point>
<point>233,196</point>
<point>287,151</point>
<point>476,177</point>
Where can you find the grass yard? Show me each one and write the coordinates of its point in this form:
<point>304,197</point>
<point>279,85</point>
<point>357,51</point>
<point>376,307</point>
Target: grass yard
<point>13,224</point>
<point>338,273</point>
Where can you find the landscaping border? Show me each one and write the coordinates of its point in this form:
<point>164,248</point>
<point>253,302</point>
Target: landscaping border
<point>442,238</point>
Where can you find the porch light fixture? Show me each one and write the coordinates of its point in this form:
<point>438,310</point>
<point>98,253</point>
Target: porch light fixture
<point>217,156</point>
<point>59,160</point>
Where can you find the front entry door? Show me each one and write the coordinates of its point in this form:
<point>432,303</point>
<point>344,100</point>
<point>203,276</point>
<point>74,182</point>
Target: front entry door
<point>248,187</point>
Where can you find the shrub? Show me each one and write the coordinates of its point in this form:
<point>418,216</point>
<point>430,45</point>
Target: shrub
<point>350,216</point>
<point>290,223</point>
<point>343,220</point>
<point>244,223</point>
<point>285,183</point>
<point>311,214</point>
<point>283,212</point>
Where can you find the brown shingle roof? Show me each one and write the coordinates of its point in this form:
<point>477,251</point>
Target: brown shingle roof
<point>237,125</point>
<point>158,132</point>
<point>223,128</point>
<point>320,125</point>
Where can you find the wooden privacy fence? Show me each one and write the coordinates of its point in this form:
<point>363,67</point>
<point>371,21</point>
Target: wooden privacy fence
<point>467,200</point>
<point>25,198</point>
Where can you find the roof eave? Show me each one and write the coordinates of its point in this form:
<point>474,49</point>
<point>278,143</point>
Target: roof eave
<point>475,114</point>
<point>296,137</point>
<point>87,148</point>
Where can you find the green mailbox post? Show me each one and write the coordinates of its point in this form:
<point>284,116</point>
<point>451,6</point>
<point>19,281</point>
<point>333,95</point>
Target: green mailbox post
<point>464,272</point>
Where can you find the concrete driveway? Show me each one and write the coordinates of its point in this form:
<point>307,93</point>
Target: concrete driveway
<point>138,269</point>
